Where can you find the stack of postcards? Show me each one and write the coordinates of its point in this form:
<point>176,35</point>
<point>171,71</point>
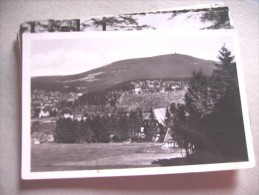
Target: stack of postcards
<point>157,92</point>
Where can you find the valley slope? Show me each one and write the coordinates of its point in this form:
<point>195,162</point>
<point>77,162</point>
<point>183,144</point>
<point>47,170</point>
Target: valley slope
<point>170,66</point>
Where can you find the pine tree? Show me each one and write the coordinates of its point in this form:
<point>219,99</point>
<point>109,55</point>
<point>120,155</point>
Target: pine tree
<point>104,135</point>
<point>123,126</point>
<point>85,134</point>
<point>225,76</point>
<point>167,117</point>
<point>121,22</point>
<point>89,133</point>
<point>152,128</point>
<point>218,18</point>
<point>225,125</point>
<point>132,124</point>
<point>65,131</point>
<point>211,118</point>
<point>198,97</point>
<point>139,120</point>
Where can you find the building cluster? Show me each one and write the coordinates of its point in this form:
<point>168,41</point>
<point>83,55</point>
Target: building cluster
<point>42,130</point>
<point>48,106</point>
<point>47,103</point>
<point>150,86</point>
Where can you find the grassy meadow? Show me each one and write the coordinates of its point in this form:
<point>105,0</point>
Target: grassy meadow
<point>63,157</point>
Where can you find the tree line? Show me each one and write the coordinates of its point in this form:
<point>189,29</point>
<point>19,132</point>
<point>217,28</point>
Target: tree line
<point>105,97</point>
<point>209,122</point>
<point>211,119</point>
<point>116,127</point>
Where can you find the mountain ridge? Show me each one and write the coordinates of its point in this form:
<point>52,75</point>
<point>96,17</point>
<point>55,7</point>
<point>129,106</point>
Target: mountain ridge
<point>157,67</point>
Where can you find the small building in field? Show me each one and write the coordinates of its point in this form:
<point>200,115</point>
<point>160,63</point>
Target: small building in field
<point>43,114</point>
<point>146,118</point>
<point>137,90</point>
<point>67,115</point>
<point>50,138</point>
<point>39,137</point>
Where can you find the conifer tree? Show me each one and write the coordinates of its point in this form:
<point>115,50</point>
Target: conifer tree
<point>87,133</point>
<point>132,123</point>
<point>225,75</point>
<point>225,125</point>
<point>65,131</point>
<point>198,97</point>
<point>123,22</point>
<point>152,128</point>
<point>123,126</point>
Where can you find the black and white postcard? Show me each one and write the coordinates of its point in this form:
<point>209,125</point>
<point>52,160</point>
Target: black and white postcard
<point>99,104</point>
<point>202,17</point>
<point>205,17</point>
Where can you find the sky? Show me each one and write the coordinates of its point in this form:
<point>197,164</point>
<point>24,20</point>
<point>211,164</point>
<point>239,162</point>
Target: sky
<point>72,53</point>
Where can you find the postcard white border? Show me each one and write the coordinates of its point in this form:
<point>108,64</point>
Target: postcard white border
<point>26,103</point>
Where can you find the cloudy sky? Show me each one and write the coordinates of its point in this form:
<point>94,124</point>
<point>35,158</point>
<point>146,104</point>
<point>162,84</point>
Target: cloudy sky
<point>71,53</point>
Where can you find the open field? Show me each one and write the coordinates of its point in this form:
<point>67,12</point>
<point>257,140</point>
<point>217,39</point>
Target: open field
<point>62,157</point>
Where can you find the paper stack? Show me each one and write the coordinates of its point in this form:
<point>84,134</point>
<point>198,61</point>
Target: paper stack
<point>157,92</point>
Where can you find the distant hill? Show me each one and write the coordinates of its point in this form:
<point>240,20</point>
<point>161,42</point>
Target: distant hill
<point>171,66</point>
